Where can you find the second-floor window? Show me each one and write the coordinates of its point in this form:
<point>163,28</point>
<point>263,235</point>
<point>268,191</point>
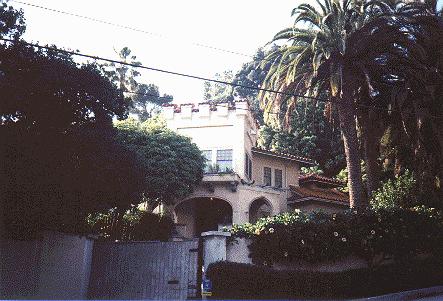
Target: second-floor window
<point>224,160</point>
<point>278,178</point>
<point>267,176</point>
<point>248,167</point>
<point>208,156</point>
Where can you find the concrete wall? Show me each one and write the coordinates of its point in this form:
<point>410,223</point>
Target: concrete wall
<point>55,266</point>
<point>19,268</point>
<point>65,266</point>
<point>237,250</point>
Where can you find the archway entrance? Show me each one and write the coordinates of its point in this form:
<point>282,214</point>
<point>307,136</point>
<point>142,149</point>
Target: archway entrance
<point>199,215</point>
<point>259,208</point>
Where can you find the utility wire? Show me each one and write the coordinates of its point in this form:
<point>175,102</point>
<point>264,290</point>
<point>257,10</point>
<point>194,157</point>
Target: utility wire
<point>163,70</point>
<point>193,77</point>
<point>130,28</point>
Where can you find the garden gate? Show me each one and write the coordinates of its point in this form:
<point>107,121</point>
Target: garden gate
<point>145,270</point>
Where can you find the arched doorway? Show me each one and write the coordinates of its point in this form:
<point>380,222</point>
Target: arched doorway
<point>259,208</point>
<point>198,215</point>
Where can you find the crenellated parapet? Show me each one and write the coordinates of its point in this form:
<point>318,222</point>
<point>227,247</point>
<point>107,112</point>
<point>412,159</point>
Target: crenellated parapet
<point>205,110</point>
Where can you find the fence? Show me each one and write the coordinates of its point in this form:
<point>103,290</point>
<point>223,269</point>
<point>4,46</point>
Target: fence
<point>144,270</point>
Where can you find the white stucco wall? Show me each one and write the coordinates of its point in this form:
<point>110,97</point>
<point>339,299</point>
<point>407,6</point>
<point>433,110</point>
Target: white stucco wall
<point>290,169</point>
<point>216,129</point>
<point>229,129</point>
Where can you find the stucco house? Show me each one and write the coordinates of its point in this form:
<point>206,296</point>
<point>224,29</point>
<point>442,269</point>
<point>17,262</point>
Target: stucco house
<point>242,182</point>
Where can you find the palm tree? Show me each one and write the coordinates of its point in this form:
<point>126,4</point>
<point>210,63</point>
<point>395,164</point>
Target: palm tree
<point>358,54</point>
<point>311,61</point>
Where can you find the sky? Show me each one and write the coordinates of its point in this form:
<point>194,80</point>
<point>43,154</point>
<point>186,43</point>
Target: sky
<point>176,26</point>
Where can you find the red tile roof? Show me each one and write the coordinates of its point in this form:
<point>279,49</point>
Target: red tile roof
<point>319,179</point>
<point>299,159</point>
<point>321,194</point>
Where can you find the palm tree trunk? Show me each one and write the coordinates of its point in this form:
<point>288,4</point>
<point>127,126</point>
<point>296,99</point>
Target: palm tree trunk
<point>348,125</point>
<point>371,135</point>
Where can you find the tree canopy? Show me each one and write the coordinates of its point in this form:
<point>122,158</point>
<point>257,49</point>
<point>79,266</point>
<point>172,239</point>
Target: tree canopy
<point>365,57</point>
<point>144,99</point>
<point>60,157</point>
<point>173,165</point>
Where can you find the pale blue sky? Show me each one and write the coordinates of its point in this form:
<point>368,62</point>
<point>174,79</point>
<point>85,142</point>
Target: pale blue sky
<point>240,26</point>
<point>237,25</point>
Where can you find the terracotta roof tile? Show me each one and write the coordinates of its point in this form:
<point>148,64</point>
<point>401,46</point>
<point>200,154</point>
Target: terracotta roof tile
<point>317,178</point>
<point>320,194</point>
<point>307,161</point>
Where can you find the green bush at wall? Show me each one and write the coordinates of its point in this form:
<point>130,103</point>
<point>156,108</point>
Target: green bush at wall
<point>398,234</point>
<point>244,281</point>
<point>134,225</point>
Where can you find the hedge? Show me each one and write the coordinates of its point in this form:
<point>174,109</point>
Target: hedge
<point>399,234</point>
<point>245,281</point>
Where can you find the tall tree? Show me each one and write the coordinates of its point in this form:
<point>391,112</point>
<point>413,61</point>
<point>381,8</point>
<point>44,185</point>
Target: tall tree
<point>356,55</point>
<point>312,60</point>
<point>61,159</point>
<point>218,92</point>
<point>144,98</point>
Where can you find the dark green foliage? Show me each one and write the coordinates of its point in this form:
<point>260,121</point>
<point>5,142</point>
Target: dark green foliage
<point>133,225</point>
<point>397,234</point>
<point>60,160</point>
<point>173,165</point>
<point>12,23</point>
<point>52,181</point>
<point>47,91</point>
<point>243,281</point>
<point>401,192</point>
<point>310,134</point>
<point>153,227</point>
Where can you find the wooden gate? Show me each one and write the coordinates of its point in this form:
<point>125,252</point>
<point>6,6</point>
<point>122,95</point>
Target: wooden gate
<point>145,270</point>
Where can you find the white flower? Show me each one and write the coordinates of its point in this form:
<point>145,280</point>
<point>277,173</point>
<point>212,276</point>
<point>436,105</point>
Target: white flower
<point>343,239</point>
<point>372,232</point>
<point>302,241</point>
<point>271,230</point>
<point>335,234</point>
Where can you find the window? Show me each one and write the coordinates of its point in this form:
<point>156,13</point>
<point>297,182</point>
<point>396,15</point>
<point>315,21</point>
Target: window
<point>248,167</point>
<point>208,156</point>
<point>224,160</point>
<point>278,178</point>
<point>267,176</point>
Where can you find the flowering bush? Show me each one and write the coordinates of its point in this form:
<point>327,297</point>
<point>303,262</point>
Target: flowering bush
<point>373,235</point>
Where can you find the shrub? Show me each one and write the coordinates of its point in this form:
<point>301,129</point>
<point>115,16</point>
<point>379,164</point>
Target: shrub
<point>396,193</point>
<point>398,234</point>
<point>235,280</point>
<point>153,227</point>
<point>134,224</point>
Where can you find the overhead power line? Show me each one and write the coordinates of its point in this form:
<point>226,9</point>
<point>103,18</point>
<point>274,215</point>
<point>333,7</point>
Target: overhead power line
<point>192,76</point>
<point>141,66</point>
<point>131,28</point>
